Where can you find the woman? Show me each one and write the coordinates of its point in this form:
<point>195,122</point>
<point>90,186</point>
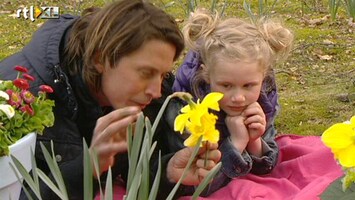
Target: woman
<point>105,68</point>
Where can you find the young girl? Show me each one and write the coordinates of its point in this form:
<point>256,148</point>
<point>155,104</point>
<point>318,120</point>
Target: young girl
<point>235,57</point>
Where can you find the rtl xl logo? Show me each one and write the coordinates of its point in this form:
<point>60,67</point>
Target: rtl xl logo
<point>43,12</point>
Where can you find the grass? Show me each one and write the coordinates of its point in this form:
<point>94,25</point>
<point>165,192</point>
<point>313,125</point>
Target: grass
<point>316,84</point>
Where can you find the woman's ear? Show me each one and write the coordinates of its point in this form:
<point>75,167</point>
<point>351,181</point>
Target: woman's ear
<point>205,73</point>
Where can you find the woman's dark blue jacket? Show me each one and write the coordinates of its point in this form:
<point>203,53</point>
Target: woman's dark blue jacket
<point>76,112</point>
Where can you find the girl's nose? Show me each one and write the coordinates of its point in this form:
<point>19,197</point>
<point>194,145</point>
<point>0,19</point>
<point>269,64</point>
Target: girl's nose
<point>238,97</point>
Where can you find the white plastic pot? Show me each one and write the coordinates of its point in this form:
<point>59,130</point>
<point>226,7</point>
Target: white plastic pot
<point>10,187</point>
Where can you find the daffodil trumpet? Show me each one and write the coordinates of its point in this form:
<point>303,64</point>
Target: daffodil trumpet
<point>198,121</point>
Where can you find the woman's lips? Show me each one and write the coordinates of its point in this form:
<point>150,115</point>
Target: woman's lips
<point>142,105</point>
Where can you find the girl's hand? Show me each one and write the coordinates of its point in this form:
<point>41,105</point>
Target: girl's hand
<point>197,171</point>
<point>255,121</point>
<point>110,133</point>
<point>238,132</point>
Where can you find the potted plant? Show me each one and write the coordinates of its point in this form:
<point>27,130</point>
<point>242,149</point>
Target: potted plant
<point>22,116</point>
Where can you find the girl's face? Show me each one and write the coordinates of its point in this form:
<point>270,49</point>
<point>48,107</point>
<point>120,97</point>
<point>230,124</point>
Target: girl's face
<point>240,82</point>
<point>137,78</point>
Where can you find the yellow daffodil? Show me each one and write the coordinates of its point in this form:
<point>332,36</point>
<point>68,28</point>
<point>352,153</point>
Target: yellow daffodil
<point>207,130</point>
<point>340,138</point>
<point>197,119</point>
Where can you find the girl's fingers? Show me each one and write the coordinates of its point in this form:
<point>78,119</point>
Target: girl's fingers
<point>255,119</point>
<point>253,109</point>
<point>256,126</point>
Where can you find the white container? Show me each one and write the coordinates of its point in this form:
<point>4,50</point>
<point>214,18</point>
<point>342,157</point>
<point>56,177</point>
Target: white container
<point>10,187</point>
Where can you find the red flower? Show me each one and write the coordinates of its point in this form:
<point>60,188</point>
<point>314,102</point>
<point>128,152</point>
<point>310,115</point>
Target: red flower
<point>21,83</point>
<point>28,77</point>
<point>46,88</point>
<point>27,109</point>
<point>21,69</point>
<point>15,99</point>
<point>27,96</point>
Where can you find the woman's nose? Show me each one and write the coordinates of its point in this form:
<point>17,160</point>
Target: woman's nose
<point>154,88</point>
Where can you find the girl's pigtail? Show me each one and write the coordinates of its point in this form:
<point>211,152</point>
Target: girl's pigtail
<point>279,38</point>
<point>199,25</point>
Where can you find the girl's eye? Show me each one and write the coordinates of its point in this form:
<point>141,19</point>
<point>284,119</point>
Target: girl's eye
<point>226,85</point>
<point>250,85</point>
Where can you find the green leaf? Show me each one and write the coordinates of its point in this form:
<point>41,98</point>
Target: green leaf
<point>155,186</point>
<point>97,170</point>
<point>152,149</point>
<point>88,175</point>
<point>206,181</point>
<point>143,192</point>
<point>149,132</point>
<point>34,169</point>
<point>335,191</point>
<point>108,187</point>
<point>247,9</point>
<point>184,173</point>
<point>26,176</point>
<point>132,192</point>
<point>54,168</point>
<point>51,185</point>
<point>136,145</point>
<point>160,113</point>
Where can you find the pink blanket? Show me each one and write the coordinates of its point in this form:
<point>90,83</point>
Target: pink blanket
<point>306,167</point>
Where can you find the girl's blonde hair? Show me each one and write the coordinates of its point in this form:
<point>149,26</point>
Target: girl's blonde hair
<point>265,42</point>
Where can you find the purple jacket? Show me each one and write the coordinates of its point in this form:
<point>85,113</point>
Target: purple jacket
<point>234,163</point>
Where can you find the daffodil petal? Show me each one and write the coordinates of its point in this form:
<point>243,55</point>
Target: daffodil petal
<point>191,140</point>
<point>212,136</point>
<point>338,136</point>
<point>197,115</point>
<point>347,156</point>
<point>185,109</point>
<point>211,100</point>
<point>352,121</point>
<point>180,122</point>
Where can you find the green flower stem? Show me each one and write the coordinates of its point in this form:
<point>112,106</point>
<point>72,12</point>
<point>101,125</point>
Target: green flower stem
<point>184,173</point>
<point>206,154</point>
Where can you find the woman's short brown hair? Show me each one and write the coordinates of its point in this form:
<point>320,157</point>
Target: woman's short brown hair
<point>105,35</point>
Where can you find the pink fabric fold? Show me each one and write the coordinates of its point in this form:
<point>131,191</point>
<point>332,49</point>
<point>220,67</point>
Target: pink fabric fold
<point>305,168</point>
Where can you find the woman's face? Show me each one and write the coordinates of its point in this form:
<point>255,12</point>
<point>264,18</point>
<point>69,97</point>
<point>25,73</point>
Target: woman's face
<point>137,78</point>
<point>240,82</point>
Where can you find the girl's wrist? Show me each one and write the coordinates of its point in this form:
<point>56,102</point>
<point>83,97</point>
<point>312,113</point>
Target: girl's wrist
<point>255,147</point>
<point>239,143</point>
